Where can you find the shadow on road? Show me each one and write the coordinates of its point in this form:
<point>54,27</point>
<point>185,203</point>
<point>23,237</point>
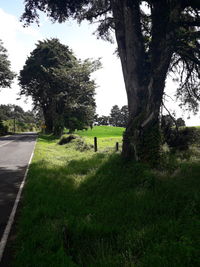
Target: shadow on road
<point>10,180</point>
<point>29,136</point>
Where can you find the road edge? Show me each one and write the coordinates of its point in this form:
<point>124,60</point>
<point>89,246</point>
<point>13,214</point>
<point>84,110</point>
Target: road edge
<point>7,230</point>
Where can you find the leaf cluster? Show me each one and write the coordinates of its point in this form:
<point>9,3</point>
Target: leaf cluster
<point>6,75</point>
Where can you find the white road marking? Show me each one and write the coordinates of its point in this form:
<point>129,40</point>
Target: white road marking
<point>4,238</point>
<point>7,143</point>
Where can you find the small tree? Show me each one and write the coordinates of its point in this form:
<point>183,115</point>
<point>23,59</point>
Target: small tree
<point>124,116</point>
<point>115,116</point>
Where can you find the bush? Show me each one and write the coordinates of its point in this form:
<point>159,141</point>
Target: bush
<point>65,139</point>
<point>181,140</point>
<point>82,146</point>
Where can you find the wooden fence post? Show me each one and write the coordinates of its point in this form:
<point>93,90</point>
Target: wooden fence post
<point>117,146</point>
<point>95,144</point>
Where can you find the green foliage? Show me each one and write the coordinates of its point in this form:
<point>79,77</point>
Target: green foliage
<point>115,116</point>
<point>65,139</point>
<point>169,121</point>
<point>183,138</point>
<point>24,120</point>
<point>82,146</point>
<point>118,117</point>
<point>6,75</point>
<point>3,128</point>
<point>8,112</point>
<point>124,116</point>
<point>92,209</point>
<point>149,146</point>
<point>162,38</point>
<point>60,85</point>
<point>102,120</point>
<point>180,122</point>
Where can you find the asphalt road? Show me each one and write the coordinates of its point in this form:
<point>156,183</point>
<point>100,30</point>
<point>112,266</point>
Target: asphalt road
<point>15,153</point>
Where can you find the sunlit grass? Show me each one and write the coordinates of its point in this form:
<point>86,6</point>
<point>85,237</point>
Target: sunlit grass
<point>107,136</point>
<point>93,209</point>
<point>102,131</point>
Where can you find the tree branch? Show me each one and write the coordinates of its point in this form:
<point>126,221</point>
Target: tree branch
<point>170,116</point>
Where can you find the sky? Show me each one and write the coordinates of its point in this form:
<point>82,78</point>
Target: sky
<point>20,41</point>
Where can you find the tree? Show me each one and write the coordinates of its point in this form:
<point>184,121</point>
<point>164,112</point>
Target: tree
<point>23,120</point>
<point>38,78</point>
<point>59,84</point>
<point>6,75</point>
<point>119,117</point>
<point>180,122</point>
<point>124,116</point>
<point>115,116</point>
<point>154,37</point>
<point>102,120</point>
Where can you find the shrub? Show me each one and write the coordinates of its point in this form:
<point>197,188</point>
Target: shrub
<point>65,139</point>
<point>82,146</point>
<point>181,140</point>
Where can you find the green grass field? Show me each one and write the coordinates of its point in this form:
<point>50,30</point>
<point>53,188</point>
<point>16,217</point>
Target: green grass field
<point>102,132</point>
<point>107,136</point>
<point>94,210</point>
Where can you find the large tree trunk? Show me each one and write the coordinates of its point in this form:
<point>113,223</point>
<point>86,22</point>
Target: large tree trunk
<point>144,75</point>
<point>141,140</point>
<point>58,126</point>
<point>48,120</point>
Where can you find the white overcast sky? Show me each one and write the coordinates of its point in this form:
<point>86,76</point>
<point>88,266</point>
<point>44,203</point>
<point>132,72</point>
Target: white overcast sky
<point>20,41</point>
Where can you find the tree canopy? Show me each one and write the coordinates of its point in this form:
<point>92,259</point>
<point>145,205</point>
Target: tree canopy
<point>60,85</point>
<point>6,75</point>
<point>119,117</point>
<point>154,38</point>
<point>8,112</point>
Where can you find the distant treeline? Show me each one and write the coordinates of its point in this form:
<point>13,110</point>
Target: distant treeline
<point>118,117</point>
<point>14,118</point>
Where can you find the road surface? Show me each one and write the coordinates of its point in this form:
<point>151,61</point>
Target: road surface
<point>15,153</point>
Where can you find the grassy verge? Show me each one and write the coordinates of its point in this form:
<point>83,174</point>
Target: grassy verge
<point>92,209</point>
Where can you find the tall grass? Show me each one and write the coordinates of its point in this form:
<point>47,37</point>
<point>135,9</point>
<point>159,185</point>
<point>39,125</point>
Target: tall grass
<point>93,209</point>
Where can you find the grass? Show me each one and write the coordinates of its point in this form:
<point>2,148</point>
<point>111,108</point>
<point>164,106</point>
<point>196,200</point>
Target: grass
<point>102,132</point>
<point>107,136</point>
<point>92,209</point>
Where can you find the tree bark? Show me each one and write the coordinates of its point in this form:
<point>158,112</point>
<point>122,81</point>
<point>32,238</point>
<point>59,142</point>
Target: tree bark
<point>144,75</point>
<point>48,120</point>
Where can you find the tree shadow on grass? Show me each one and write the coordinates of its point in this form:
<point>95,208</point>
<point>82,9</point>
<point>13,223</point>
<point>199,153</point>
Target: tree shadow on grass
<point>48,138</point>
<point>104,212</point>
